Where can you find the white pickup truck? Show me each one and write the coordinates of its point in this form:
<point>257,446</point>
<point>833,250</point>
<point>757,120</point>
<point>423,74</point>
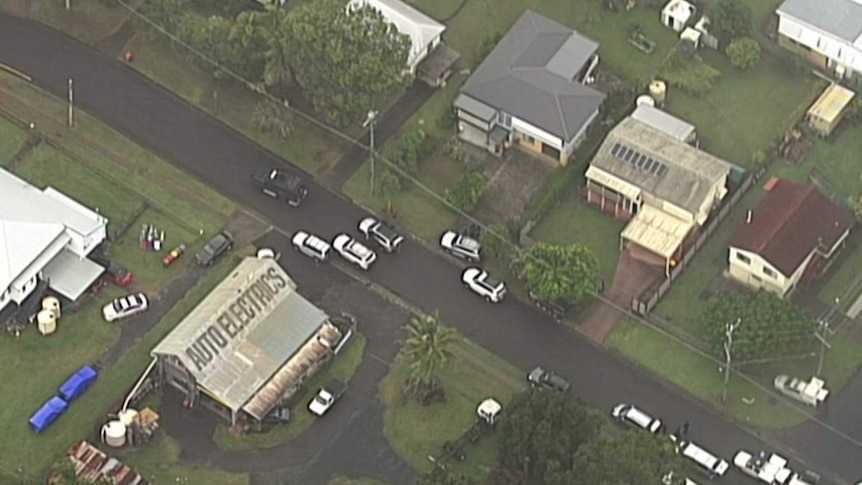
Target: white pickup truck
<point>326,397</point>
<point>768,468</point>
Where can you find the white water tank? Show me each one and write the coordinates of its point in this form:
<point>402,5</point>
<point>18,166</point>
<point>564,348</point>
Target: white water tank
<point>47,322</point>
<point>52,304</point>
<point>114,434</point>
<point>658,90</point>
<point>128,416</point>
<point>645,99</point>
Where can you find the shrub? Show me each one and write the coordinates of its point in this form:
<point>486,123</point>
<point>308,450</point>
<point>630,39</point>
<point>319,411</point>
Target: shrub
<point>467,191</point>
<point>689,72</point>
<point>744,53</point>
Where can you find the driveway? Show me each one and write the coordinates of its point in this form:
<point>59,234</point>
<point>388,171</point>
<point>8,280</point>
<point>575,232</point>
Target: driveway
<point>225,159</point>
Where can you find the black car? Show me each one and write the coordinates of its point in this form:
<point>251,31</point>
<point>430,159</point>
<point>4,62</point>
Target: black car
<point>383,234</point>
<point>555,310</point>
<point>218,245</point>
<point>544,378</point>
<point>281,185</point>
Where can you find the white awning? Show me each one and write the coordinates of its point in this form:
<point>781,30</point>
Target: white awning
<point>657,231</point>
<point>616,184</point>
<point>70,275</point>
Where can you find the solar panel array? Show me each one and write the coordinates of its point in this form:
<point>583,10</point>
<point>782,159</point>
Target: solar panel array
<point>639,160</point>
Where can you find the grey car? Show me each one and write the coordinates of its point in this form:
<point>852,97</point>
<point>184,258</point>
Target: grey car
<point>544,378</point>
<point>218,245</point>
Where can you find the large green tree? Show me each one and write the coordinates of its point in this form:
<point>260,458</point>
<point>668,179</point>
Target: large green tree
<point>766,326</point>
<point>427,348</point>
<point>744,53</point>
<point>543,430</point>
<point>630,458</point>
<point>729,20</point>
<point>561,274</point>
<point>347,61</point>
<point>274,28</point>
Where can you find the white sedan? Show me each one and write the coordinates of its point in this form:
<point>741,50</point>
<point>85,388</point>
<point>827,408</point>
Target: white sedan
<point>354,251</point>
<point>483,284</point>
<point>125,306</point>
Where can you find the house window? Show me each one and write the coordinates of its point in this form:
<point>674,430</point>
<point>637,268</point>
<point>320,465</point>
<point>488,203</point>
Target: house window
<point>745,259</point>
<point>769,272</point>
<point>504,119</point>
<point>529,139</point>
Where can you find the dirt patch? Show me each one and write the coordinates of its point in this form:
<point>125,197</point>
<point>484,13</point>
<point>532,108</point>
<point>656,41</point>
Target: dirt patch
<point>513,181</point>
<point>246,227</point>
<point>632,277</point>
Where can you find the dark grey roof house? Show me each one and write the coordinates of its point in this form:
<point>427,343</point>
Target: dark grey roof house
<point>530,91</point>
<point>827,33</point>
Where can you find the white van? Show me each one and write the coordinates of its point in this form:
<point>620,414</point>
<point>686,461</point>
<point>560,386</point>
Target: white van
<point>706,461</point>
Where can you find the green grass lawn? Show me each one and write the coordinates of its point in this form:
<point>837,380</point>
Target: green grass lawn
<point>339,480</point>
<point>342,367</point>
<point>572,221</point>
<point>12,138</point>
<point>837,161</point>
<point>308,147</point>
<point>34,366</point>
<point>416,432</point>
<point>745,110</point>
<point>702,377</point>
<point>87,20</point>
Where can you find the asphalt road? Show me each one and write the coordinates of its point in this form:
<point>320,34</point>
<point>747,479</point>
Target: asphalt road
<point>224,159</point>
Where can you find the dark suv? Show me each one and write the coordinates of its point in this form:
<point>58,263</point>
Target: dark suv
<point>558,312</point>
<point>544,378</point>
<point>218,245</point>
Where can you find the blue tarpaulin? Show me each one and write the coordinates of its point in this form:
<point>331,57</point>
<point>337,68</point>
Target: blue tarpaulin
<point>78,383</point>
<point>49,413</point>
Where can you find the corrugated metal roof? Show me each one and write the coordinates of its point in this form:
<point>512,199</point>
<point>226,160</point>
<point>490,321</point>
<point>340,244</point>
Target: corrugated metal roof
<point>529,75</point>
<point>657,231</point>
<point>92,465</point>
<point>663,121</point>
<point>236,339</point>
<point>841,18</point>
<point>421,28</point>
<point>831,103</point>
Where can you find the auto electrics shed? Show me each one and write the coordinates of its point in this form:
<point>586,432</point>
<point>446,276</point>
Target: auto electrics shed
<point>248,345</point>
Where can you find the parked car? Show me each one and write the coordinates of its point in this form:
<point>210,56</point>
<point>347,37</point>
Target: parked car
<point>630,415</point>
<point>544,378</point>
<point>708,463</point>
<point>558,312</point>
<point>483,284</point>
<point>354,251</point>
<point>311,245</point>
<point>281,185</point>
<point>215,248</point>
<point>268,253</point>
<point>326,397</point>
<point>114,273</point>
<point>383,234</point>
<point>125,306</point>
<point>461,246</point>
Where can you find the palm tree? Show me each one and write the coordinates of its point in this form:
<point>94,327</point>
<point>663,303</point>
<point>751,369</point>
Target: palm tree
<point>427,350</point>
<point>270,117</point>
<point>276,69</point>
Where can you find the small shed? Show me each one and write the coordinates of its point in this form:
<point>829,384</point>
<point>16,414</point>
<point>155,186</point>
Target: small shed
<point>825,114</point>
<point>677,13</point>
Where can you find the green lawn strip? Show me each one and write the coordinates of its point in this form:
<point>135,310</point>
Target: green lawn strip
<point>837,160</point>
<point>34,367</point>
<point>342,367</point>
<point>416,432</point>
<point>339,480</point>
<point>702,377</point>
<point>87,20</point>
<point>309,147</point>
<point>572,221</point>
<point>46,166</point>
<point>417,211</point>
<point>745,110</point>
<point>12,138</point>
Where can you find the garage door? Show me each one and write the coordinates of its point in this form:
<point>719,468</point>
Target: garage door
<point>550,151</point>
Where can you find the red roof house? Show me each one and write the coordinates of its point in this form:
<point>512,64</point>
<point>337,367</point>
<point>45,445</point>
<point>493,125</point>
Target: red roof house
<point>789,237</point>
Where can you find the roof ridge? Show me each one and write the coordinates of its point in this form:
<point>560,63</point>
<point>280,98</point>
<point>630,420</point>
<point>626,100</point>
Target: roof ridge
<point>788,214</point>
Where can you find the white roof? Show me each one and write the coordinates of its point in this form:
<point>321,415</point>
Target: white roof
<point>663,121</point>
<point>679,9</point>
<point>70,274</point>
<point>244,332</point>
<point>657,231</point>
<point>421,28</point>
<point>32,220</point>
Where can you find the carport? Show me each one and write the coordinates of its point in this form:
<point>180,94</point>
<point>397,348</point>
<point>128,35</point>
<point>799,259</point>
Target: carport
<point>70,275</point>
<point>658,232</point>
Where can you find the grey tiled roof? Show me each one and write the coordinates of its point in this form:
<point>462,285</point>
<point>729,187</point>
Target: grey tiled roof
<point>841,18</point>
<point>530,72</point>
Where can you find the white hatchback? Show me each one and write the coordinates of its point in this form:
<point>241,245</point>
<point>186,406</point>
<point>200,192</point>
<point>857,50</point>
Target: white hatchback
<point>354,251</point>
<point>483,284</point>
<point>125,306</point>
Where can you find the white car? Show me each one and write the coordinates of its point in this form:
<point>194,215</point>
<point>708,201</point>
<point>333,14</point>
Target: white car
<point>125,306</point>
<point>483,284</point>
<point>708,463</point>
<point>354,251</point>
<point>461,246</point>
<point>632,416</point>
<point>311,245</point>
<point>383,234</point>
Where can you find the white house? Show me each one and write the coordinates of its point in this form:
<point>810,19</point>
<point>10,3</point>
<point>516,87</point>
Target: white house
<point>791,237</point>
<point>425,36</point>
<point>827,33</point>
<point>646,172</point>
<point>45,235</point>
<point>529,91</point>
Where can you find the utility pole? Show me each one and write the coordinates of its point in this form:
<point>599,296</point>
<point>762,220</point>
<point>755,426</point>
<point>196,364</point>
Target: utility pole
<point>370,121</point>
<point>71,103</point>
<point>728,346</point>
<point>822,333</point>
